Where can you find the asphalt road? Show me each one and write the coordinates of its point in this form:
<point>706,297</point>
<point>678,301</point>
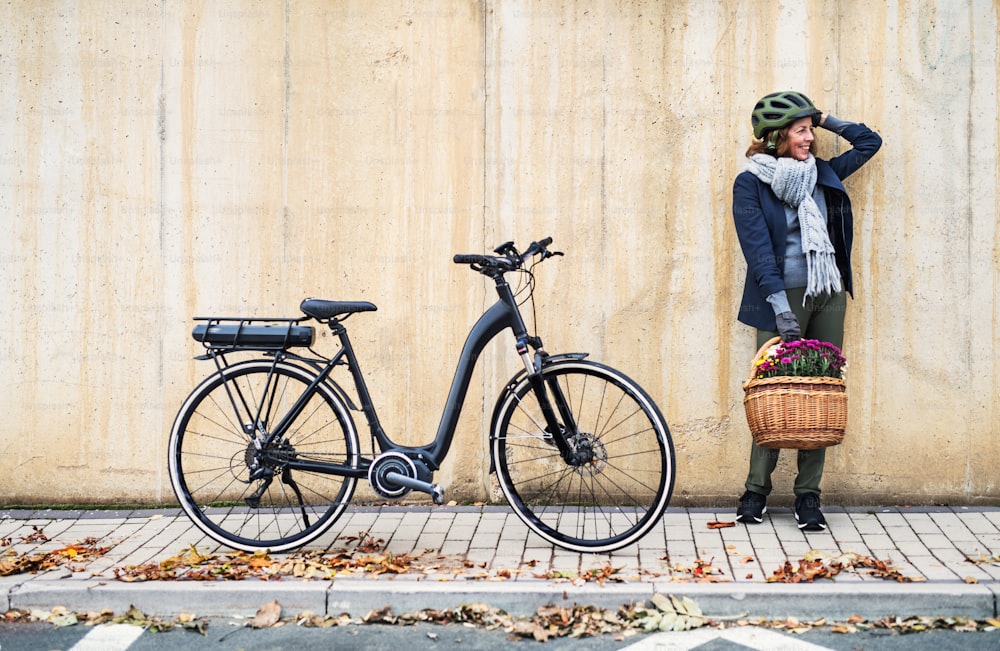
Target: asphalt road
<point>223,634</point>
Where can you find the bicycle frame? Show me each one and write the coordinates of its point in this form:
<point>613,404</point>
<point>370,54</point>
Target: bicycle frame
<point>502,315</point>
<point>493,321</point>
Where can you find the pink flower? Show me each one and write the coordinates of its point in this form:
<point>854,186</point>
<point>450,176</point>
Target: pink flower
<point>804,358</point>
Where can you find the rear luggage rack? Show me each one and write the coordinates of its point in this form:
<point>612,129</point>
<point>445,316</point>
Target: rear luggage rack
<point>232,334</point>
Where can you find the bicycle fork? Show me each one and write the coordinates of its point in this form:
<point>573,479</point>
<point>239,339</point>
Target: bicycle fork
<point>565,432</point>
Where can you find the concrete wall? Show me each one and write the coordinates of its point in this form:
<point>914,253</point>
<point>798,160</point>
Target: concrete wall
<point>167,159</point>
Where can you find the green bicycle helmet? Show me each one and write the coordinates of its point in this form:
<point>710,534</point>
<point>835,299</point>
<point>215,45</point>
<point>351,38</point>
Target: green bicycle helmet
<point>778,110</point>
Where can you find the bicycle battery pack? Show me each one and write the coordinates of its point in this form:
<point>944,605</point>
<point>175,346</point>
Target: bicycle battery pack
<point>258,337</point>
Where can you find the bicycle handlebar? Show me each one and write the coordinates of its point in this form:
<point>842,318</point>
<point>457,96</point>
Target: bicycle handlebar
<point>508,260</point>
<point>469,258</point>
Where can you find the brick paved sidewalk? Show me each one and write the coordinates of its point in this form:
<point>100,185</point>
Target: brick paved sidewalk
<point>941,559</point>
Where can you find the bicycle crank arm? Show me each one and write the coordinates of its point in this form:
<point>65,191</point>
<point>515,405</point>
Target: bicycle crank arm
<point>434,490</point>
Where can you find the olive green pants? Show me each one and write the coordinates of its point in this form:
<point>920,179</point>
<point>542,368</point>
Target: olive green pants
<point>823,320</point>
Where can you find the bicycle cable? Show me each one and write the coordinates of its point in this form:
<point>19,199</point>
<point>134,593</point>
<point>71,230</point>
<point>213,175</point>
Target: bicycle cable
<point>529,286</point>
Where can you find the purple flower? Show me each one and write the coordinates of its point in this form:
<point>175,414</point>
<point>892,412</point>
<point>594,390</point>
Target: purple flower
<point>803,358</point>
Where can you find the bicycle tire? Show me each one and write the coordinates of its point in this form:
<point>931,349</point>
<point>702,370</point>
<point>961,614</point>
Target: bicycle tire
<point>211,450</point>
<point>608,503</point>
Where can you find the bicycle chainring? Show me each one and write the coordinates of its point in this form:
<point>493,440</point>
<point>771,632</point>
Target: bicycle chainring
<point>391,462</point>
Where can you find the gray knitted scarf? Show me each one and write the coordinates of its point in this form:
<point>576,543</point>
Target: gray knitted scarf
<point>793,181</point>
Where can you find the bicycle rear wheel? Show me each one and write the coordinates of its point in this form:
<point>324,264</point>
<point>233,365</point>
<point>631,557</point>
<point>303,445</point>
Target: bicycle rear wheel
<point>621,491</point>
<point>247,497</point>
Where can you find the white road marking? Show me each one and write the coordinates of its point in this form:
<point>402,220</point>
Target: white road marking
<point>109,637</point>
<point>761,639</point>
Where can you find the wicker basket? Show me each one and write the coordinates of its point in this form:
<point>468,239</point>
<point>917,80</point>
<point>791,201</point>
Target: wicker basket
<point>805,413</point>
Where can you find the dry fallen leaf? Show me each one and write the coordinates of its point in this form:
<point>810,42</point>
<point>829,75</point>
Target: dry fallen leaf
<point>816,564</point>
<point>20,563</point>
<point>267,615</point>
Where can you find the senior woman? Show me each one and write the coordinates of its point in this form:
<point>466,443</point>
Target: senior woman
<point>795,227</point>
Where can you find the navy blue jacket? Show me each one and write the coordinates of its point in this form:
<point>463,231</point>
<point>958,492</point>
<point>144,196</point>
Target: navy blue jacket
<point>762,229</point>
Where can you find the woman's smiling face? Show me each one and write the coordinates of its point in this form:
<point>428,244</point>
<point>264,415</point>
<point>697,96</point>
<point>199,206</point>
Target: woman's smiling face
<point>799,138</point>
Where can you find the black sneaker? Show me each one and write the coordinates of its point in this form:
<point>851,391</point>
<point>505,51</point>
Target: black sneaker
<point>807,512</point>
<point>752,508</point>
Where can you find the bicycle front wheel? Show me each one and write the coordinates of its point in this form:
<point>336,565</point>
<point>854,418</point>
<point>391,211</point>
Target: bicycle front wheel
<point>242,494</point>
<point>622,489</point>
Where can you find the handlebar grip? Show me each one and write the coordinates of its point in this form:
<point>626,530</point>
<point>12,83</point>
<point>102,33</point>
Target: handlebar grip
<point>536,248</point>
<point>469,258</point>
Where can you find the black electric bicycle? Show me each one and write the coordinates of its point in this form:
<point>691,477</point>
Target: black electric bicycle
<point>264,453</point>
